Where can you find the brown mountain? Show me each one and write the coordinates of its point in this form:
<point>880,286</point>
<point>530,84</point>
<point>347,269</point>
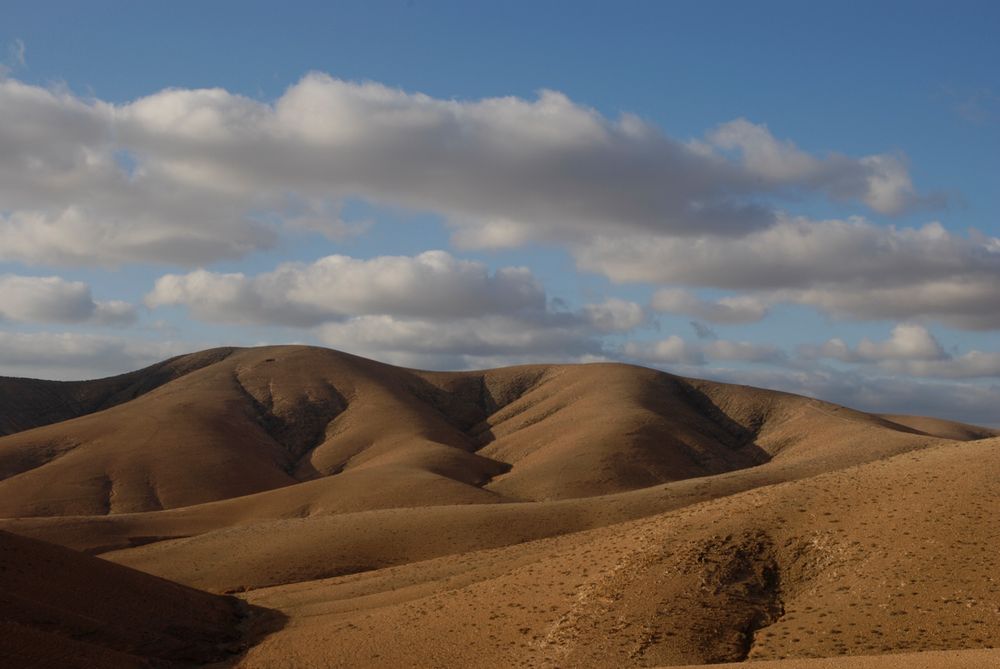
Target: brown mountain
<point>545,515</point>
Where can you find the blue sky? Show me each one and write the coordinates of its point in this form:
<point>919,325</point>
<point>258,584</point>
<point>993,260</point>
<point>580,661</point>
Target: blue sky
<point>773,193</point>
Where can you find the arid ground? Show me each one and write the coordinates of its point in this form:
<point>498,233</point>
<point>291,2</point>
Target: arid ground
<point>301,507</point>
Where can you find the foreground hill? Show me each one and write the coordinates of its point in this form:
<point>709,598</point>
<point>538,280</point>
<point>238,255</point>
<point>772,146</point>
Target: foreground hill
<point>548,515</point>
<point>946,659</point>
<point>59,608</point>
<point>898,555</point>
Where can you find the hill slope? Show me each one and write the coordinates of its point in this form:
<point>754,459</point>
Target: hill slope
<point>230,423</point>
<point>544,515</point>
<point>59,608</point>
<point>897,555</point>
<point>29,403</point>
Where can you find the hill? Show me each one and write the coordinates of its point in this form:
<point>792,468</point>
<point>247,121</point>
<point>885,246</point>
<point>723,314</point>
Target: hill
<point>29,403</point>
<point>59,608</point>
<point>229,423</point>
<point>543,515</point>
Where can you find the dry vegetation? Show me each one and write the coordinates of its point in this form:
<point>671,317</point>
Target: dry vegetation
<point>540,516</point>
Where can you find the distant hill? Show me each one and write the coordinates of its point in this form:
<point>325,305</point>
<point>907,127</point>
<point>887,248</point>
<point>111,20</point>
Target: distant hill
<point>29,403</point>
<point>232,422</point>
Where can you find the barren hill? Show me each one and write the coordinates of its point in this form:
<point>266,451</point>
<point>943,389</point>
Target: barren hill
<point>229,423</point>
<point>548,515</point>
<point>63,609</point>
<point>29,403</point>
<point>892,556</point>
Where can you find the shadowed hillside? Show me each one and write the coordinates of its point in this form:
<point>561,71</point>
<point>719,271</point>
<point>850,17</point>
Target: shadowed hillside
<point>59,608</point>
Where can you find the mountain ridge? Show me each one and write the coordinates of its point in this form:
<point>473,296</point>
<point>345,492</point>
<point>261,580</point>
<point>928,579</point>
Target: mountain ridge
<point>244,421</point>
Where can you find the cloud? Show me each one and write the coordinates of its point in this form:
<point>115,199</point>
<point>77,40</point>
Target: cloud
<point>614,315</point>
<point>51,299</point>
<point>431,285</point>
<point>907,342</point>
<point>911,350</point>
<point>962,401</point>
<point>881,181</point>
<point>324,217</point>
<point>971,365</point>
<point>431,310</point>
<point>191,176</point>
<point>67,356</point>
<point>114,312</point>
<point>724,311</point>
<point>702,331</point>
<point>966,301</point>
<point>795,253</point>
<point>743,351</point>
<point>676,351</point>
<point>67,199</point>
<point>465,343</point>
<point>672,350</point>
<point>851,269</point>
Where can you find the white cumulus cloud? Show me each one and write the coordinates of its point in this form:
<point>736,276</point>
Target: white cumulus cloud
<point>911,350</point>
<point>907,342</point>
<point>431,310</point>
<point>70,355</point>
<point>190,176</point>
<point>51,299</point>
<point>433,284</point>
<point>882,181</point>
<point>848,268</point>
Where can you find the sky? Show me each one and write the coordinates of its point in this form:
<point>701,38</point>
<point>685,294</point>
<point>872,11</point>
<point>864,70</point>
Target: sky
<point>781,194</point>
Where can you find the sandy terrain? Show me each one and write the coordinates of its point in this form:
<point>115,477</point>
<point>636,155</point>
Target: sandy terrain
<point>549,516</point>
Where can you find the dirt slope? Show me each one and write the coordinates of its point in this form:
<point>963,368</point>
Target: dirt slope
<point>29,403</point>
<point>247,423</point>
<point>59,608</point>
<point>947,659</point>
<point>545,515</point>
<point>948,429</point>
<point>895,556</point>
<point>239,422</point>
